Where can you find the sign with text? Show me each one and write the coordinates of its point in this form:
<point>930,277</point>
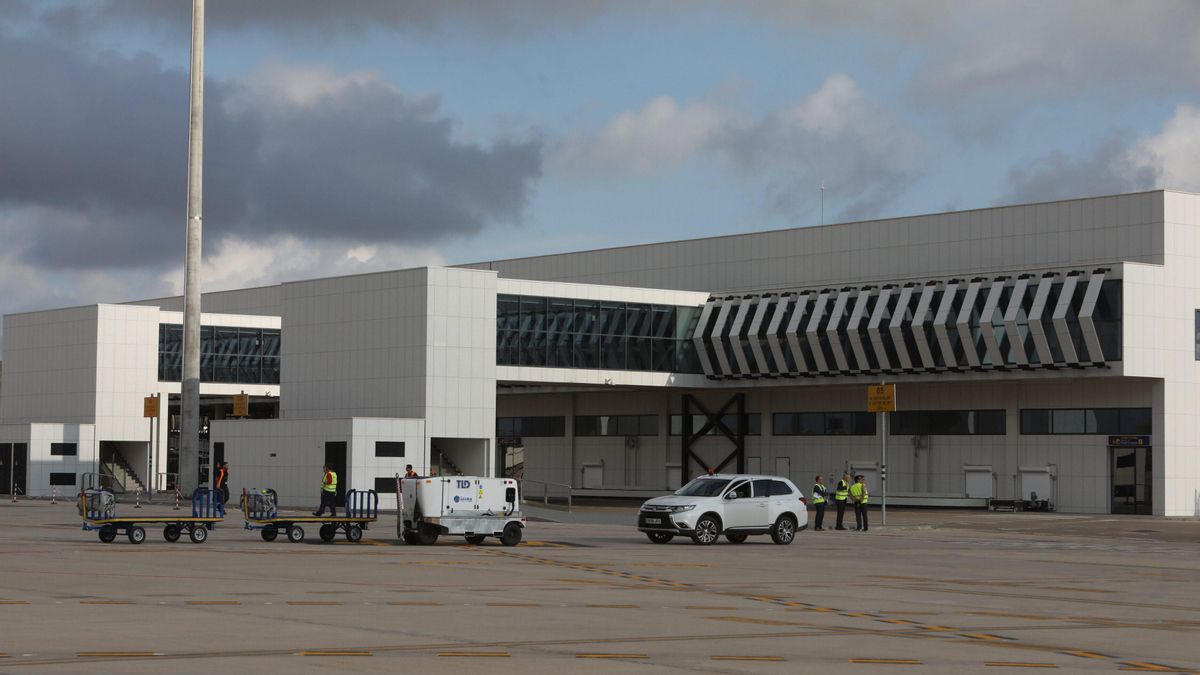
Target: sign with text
<point>881,398</point>
<point>150,406</point>
<point>1129,441</point>
<point>241,405</point>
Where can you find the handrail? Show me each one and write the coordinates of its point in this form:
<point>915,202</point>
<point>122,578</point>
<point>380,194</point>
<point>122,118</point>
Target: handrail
<point>545,490</point>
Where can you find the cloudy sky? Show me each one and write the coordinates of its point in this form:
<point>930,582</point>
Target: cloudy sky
<point>373,134</point>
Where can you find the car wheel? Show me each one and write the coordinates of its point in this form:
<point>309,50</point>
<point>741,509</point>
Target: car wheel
<point>476,538</point>
<point>171,533</point>
<point>511,535</point>
<point>735,538</point>
<point>784,531</point>
<point>270,532</point>
<point>707,530</point>
<point>327,532</point>
<point>198,534</point>
<point>660,537</point>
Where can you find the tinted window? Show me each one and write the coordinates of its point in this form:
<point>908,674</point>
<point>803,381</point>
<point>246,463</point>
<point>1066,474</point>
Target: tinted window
<point>385,485</point>
<point>63,449</point>
<point>1067,422</point>
<point>762,487</point>
<point>389,448</point>
<point>1035,421</point>
<point>1136,421</point>
<point>703,487</point>
<point>779,487</point>
<point>62,478</point>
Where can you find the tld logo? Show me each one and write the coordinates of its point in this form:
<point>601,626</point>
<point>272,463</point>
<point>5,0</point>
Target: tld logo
<point>463,484</point>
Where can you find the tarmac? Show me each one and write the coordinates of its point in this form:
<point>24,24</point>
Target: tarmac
<point>933,592</point>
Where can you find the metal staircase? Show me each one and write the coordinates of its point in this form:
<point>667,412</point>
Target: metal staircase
<point>124,477</point>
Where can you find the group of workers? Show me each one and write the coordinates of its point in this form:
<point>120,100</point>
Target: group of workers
<point>855,492</point>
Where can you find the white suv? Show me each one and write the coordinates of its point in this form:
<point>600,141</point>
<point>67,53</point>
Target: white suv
<point>734,504</point>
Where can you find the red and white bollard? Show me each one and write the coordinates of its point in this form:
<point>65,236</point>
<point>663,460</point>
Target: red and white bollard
<point>176,497</point>
<point>53,495</point>
<point>137,504</point>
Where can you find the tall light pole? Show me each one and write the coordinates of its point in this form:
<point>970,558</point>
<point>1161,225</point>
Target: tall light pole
<point>189,428</point>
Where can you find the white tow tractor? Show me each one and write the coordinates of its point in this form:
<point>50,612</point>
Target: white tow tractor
<point>473,507</point>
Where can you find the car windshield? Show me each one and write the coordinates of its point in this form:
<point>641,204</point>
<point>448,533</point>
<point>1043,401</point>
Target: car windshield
<point>703,487</point>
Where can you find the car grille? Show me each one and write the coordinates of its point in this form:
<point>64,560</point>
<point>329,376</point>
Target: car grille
<point>663,517</point>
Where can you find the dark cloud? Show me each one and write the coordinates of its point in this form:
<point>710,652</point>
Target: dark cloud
<point>1106,169</point>
<point>94,170</point>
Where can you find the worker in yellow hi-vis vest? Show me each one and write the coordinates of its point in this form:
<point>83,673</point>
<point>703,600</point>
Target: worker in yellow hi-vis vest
<point>839,499</point>
<point>819,494</point>
<point>859,495</point>
<point>328,492</point>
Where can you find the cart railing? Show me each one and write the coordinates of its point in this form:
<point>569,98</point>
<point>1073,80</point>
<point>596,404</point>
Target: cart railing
<point>553,495</point>
<point>259,504</point>
<point>97,504</point>
<point>99,481</point>
<point>362,504</point>
<point>206,503</point>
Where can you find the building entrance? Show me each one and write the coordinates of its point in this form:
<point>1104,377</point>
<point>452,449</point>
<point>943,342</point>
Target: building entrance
<point>1132,471</point>
<point>13,471</point>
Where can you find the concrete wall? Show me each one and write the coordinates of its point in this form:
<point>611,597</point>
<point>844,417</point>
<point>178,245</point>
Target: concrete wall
<point>1057,234</point>
<point>41,463</point>
<point>287,455</point>
<point>264,300</point>
<point>50,361</point>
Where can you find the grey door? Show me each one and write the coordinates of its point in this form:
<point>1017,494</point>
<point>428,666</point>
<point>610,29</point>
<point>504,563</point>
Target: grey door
<point>1132,471</point>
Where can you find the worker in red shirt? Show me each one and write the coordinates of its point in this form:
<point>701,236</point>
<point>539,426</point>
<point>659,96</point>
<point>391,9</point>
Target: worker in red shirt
<point>221,486</point>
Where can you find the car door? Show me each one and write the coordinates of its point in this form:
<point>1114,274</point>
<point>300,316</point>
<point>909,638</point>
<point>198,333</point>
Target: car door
<point>765,515</point>
<point>740,509</point>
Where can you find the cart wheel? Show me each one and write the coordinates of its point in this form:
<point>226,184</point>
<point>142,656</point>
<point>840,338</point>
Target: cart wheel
<point>269,532</point>
<point>108,533</point>
<point>327,532</point>
<point>428,534</point>
<point>476,538</point>
<point>198,534</point>
<point>295,534</point>
<point>353,533</point>
<point>137,534</point>
<point>410,537</point>
<point>511,536</point>
<point>171,533</point>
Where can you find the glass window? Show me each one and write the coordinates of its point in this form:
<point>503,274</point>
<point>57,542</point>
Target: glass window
<point>1137,421</point>
<point>385,485</point>
<point>586,312</point>
<point>1067,422</point>
<point>783,424</point>
<point>703,487</point>
<point>1035,421</point>
<point>61,479</point>
<point>389,448</point>
<point>562,315</point>
<point>533,314</point>
<point>587,426</point>
<point>742,490</point>
<point>810,424</point>
<point>1105,421</point>
<point>64,449</point>
<point>627,425</point>
<point>648,425</point>
<point>611,320</point>
<point>508,312</point>
<point>762,487</point>
<point>506,427</point>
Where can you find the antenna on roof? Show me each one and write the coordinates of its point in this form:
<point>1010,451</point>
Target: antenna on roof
<point>822,188</point>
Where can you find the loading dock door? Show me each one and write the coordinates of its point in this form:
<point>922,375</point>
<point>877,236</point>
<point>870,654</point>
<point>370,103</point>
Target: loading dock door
<point>979,482</point>
<point>335,458</point>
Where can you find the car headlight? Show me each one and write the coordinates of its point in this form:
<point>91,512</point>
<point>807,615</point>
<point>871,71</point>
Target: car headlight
<point>681,509</point>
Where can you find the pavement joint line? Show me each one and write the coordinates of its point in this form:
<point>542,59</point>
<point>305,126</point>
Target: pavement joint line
<point>106,602</point>
<point>475,654</point>
<point>414,603</point>
<point>612,606</point>
<point>593,655</point>
<point>1018,664</point>
<point>14,602</point>
<point>316,603</point>
<point>213,602</point>
<point>84,655</point>
<point>336,652</point>
<point>513,604</point>
<point>893,662</point>
<point>748,658</point>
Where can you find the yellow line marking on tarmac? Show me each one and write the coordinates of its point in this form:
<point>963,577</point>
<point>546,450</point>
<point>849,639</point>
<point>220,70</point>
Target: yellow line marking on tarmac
<point>1085,655</point>
<point>748,658</point>
<point>214,602</point>
<point>1017,664</point>
<point>336,652</point>
<point>831,609</point>
<point>3,655</point>
<point>760,622</point>
<point>984,636</point>
<point>105,602</point>
<point>895,662</point>
<point>14,602</point>
<point>312,603</point>
<point>83,655</point>
<point>902,621</point>
<point>939,629</point>
<point>1146,666</point>
<point>468,654</point>
<point>611,656</point>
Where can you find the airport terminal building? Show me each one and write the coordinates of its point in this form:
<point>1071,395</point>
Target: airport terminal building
<point>1044,348</point>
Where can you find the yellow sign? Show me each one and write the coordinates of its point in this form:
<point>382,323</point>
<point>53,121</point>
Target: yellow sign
<point>150,406</point>
<point>241,405</point>
<point>881,398</point>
